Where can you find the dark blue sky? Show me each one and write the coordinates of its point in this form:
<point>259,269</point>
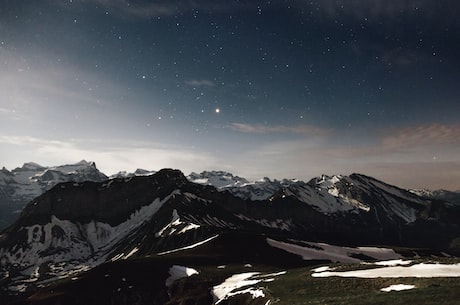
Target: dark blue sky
<point>259,88</point>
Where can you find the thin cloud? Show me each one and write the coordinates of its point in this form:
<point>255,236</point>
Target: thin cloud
<point>410,175</point>
<point>364,10</point>
<point>422,135</point>
<point>264,129</point>
<point>111,156</point>
<point>143,10</point>
<point>166,8</point>
<point>7,111</point>
<point>403,140</point>
<point>200,83</point>
<point>26,140</point>
<point>400,57</point>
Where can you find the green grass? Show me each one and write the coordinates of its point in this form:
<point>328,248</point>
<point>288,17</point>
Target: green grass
<point>299,287</point>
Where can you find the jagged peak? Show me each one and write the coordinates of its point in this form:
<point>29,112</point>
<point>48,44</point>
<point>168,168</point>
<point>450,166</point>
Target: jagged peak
<point>143,172</point>
<point>86,163</point>
<point>217,178</point>
<point>422,192</point>
<point>172,174</point>
<point>265,179</point>
<point>326,180</point>
<point>214,173</point>
<point>31,166</point>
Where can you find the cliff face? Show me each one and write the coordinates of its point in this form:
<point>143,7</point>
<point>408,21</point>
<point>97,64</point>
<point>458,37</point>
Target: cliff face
<point>110,201</point>
<point>21,185</point>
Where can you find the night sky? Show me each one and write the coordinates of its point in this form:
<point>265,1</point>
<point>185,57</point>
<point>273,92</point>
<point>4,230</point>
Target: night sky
<point>284,89</point>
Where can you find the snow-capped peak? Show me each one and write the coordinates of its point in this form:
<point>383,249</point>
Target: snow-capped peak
<point>218,179</point>
<point>328,183</point>
<point>86,163</point>
<point>422,192</point>
<point>143,172</point>
<point>30,166</point>
<point>137,172</point>
<point>330,180</point>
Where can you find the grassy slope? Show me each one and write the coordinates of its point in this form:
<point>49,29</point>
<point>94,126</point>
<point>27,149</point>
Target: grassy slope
<point>125,282</point>
<point>298,287</point>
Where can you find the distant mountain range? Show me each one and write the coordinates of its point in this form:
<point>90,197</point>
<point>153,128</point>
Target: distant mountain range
<point>84,230</point>
<point>20,185</point>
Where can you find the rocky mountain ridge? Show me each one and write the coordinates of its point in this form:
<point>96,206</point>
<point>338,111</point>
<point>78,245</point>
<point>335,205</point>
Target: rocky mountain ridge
<point>445,195</point>
<point>20,185</point>
<point>77,226</point>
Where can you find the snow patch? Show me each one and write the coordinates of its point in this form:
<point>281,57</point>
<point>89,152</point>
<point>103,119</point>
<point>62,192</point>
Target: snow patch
<point>322,251</point>
<point>322,269</point>
<point>133,251</point>
<point>189,247</point>
<point>177,272</point>
<point>397,287</point>
<point>176,226</point>
<point>325,200</point>
<point>419,270</point>
<point>229,287</point>
<point>234,284</point>
<point>395,262</point>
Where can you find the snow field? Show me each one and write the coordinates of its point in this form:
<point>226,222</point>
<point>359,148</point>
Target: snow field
<point>232,285</point>
<point>418,270</point>
<point>322,251</point>
<point>397,287</point>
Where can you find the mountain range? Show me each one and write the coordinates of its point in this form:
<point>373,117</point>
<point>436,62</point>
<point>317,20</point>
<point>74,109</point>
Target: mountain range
<point>166,238</point>
<point>22,184</point>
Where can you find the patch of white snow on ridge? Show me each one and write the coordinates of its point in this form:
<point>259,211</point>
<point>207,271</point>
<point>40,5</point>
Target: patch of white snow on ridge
<point>322,269</point>
<point>177,272</point>
<point>418,270</point>
<point>228,287</point>
<point>378,253</point>
<point>356,203</point>
<point>395,262</point>
<point>133,251</point>
<point>398,287</point>
<point>234,284</point>
<point>325,200</point>
<point>328,183</point>
<point>322,251</point>
<point>333,191</point>
<point>175,224</point>
<point>201,181</point>
<point>190,246</point>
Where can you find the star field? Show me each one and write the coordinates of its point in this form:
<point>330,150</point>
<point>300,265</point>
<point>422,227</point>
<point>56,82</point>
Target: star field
<point>259,88</point>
